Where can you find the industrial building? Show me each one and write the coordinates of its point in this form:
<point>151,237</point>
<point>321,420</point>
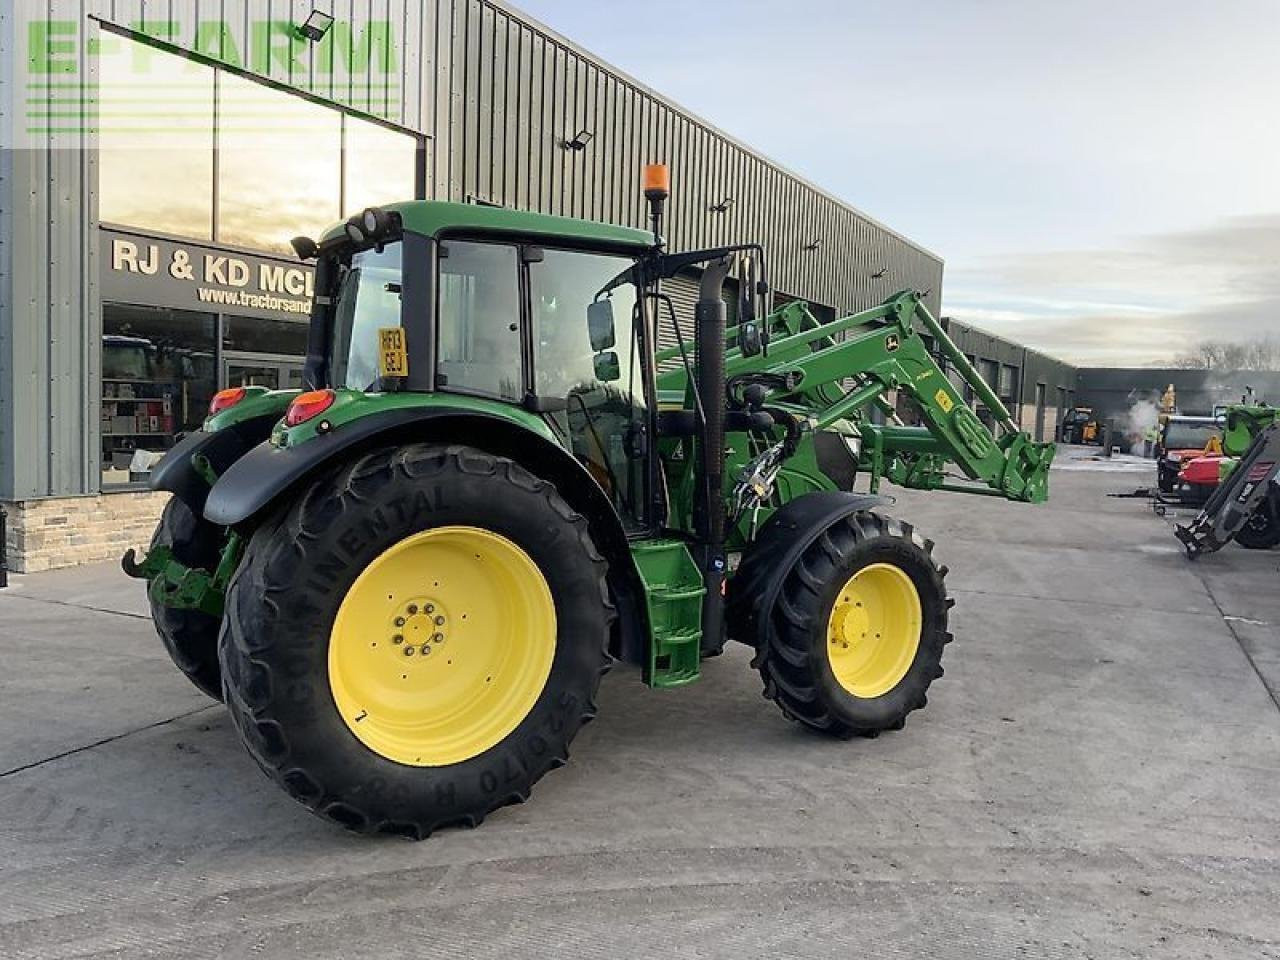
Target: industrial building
<point>159,158</point>
<point>1112,392</point>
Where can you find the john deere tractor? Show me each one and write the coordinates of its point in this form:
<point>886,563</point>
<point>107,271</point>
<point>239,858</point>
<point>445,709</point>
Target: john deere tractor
<point>407,580</point>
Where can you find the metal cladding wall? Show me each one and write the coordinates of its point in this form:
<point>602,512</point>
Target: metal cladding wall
<point>1033,367</point>
<point>496,93</point>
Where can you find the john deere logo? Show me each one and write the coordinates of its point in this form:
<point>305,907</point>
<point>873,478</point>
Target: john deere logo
<point>891,342</point>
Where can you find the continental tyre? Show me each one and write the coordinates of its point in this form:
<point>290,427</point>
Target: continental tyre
<point>856,636</point>
<point>191,637</point>
<point>416,640</point>
<point>1262,530</point>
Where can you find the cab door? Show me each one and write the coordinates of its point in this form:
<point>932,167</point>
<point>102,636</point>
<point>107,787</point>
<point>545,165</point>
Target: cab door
<point>586,367</point>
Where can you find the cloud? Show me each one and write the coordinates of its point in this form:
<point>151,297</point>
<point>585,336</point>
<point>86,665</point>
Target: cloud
<point>1143,303</point>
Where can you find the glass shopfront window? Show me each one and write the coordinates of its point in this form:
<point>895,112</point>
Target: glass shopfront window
<point>380,166</point>
<point>155,146</point>
<point>286,165</point>
<point>286,338</point>
<point>196,162</point>
<point>158,375</point>
<point>279,165</point>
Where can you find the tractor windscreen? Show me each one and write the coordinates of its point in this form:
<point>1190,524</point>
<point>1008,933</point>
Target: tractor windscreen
<point>368,301</point>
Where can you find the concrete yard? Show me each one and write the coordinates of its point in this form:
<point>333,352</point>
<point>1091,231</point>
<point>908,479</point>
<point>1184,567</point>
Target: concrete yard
<point>1098,775</point>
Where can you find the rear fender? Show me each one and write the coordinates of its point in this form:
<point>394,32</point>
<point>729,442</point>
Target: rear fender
<point>224,439</point>
<point>267,477</point>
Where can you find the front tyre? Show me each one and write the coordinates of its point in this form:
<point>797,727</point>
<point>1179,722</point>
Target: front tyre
<point>1262,530</point>
<point>417,639</point>
<point>857,632</point>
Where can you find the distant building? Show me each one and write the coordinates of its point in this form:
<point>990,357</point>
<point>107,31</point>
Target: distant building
<point>1113,392</point>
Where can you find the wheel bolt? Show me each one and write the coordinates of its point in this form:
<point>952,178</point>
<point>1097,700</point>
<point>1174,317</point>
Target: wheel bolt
<point>413,608</point>
<point>408,651</point>
<point>426,649</point>
<point>398,638</point>
<point>429,608</point>
<point>399,621</point>
<point>437,637</point>
<point>439,621</point>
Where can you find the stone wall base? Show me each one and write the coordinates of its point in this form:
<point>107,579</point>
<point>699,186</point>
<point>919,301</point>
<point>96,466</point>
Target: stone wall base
<point>65,531</point>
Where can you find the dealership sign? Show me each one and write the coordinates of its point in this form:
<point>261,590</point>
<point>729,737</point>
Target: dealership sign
<point>157,272</point>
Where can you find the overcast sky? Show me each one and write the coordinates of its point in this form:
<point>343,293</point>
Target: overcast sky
<point>1102,178</point>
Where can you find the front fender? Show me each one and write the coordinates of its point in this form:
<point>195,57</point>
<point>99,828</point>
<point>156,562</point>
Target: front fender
<point>788,533</point>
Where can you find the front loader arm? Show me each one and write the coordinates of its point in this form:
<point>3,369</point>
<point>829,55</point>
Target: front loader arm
<point>848,365</point>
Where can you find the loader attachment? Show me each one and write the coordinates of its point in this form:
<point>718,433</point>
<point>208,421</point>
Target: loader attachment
<point>1248,490</point>
<point>830,376</point>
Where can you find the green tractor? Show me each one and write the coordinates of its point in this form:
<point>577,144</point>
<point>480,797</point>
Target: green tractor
<point>406,581</point>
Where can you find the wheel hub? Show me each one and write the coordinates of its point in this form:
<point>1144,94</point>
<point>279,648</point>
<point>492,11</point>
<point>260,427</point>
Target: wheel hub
<point>873,631</point>
<point>442,646</point>
<point>420,625</point>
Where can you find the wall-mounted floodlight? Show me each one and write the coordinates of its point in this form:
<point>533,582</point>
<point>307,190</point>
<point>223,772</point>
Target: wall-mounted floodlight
<point>579,141</point>
<point>315,26</point>
<point>814,245</point>
<point>723,206</point>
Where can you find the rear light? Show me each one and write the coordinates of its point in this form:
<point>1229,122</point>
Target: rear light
<point>308,405</point>
<point>226,399</point>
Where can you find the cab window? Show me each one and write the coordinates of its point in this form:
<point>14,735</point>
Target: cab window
<point>368,301</point>
<point>586,355</point>
<point>478,319</point>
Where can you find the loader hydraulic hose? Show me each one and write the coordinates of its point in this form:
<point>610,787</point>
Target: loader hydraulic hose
<point>709,511</point>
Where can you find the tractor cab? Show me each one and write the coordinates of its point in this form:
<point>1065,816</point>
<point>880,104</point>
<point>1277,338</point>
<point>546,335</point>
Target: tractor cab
<point>496,309</point>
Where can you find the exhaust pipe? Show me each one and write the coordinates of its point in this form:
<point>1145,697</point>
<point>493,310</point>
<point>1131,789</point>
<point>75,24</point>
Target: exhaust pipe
<point>709,514</point>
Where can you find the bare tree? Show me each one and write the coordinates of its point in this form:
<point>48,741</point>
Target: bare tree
<point>1260,353</point>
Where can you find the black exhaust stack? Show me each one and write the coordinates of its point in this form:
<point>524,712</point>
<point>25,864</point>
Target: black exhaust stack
<point>709,513</point>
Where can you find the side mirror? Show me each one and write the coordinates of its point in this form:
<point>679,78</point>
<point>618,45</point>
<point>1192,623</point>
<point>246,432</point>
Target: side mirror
<point>752,341</point>
<point>600,325</point>
<point>746,290</point>
<point>607,368</point>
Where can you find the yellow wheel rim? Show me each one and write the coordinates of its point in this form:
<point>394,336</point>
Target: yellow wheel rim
<point>874,630</point>
<point>442,646</point>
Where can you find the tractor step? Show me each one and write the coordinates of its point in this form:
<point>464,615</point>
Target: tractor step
<point>673,595</point>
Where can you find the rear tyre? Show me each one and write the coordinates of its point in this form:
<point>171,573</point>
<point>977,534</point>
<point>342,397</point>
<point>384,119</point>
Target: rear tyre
<point>416,639</point>
<point>1262,530</point>
<point>191,637</point>
<point>857,633</point>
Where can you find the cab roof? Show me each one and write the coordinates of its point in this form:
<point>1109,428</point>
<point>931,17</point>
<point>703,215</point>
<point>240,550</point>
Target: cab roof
<point>433,218</point>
